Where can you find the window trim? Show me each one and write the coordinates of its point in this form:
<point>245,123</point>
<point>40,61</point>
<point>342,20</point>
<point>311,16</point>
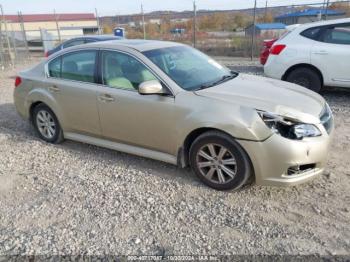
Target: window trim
<point>100,83</point>
<point>47,72</point>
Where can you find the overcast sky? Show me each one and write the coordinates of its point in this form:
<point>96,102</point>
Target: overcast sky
<point>112,7</point>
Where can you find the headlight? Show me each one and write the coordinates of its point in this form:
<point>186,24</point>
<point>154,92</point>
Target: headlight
<point>288,128</point>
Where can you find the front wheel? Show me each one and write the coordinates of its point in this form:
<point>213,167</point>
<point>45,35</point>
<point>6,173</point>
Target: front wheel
<point>219,161</point>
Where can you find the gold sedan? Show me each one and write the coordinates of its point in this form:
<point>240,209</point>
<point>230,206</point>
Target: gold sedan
<point>172,103</point>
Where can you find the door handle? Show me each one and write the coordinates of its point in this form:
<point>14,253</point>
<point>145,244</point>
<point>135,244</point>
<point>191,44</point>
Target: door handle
<point>106,98</point>
<point>54,89</point>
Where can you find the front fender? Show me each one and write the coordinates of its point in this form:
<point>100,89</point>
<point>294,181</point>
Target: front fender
<point>238,121</point>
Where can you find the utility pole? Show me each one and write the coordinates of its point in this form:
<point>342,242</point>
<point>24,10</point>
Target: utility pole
<point>266,12</point>
<point>2,58</point>
<point>7,34</point>
<point>143,22</point>
<point>57,26</point>
<point>98,22</point>
<point>20,19</point>
<point>327,9</point>
<point>323,8</point>
<point>13,38</point>
<point>194,23</point>
<point>253,32</point>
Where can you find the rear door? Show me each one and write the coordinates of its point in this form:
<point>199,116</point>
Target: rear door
<point>72,85</point>
<point>331,54</point>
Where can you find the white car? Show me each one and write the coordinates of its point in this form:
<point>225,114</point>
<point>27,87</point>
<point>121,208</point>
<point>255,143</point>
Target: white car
<point>313,55</point>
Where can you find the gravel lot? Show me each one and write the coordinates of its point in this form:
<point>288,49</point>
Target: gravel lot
<point>80,199</point>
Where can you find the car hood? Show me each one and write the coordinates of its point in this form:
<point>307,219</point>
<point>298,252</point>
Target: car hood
<point>286,99</point>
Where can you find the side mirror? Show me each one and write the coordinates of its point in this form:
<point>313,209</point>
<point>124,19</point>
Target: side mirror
<point>151,88</point>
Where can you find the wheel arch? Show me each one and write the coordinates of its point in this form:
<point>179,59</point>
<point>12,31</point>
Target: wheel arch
<point>35,103</point>
<point>41,96</point>
<point>184,150</point>
<point>312,67</point>
<point>32,107</point>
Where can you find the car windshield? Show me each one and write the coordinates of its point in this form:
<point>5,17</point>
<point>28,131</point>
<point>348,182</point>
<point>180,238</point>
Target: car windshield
<point>189,68</point>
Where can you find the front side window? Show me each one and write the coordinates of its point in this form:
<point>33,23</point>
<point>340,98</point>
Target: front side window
<point>188,67</point>
<point>79,66</point>
<point>337,35</point>
<point>120,70</point>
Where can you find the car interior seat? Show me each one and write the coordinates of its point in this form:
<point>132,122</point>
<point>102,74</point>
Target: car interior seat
<point>114,76</point>
<point>137,73</point>
<point>70,71</point>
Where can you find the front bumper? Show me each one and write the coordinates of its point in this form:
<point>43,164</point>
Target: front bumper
<point>273,159</point>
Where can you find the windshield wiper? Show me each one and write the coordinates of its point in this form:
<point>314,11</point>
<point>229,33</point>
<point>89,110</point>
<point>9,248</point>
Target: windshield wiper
<point>223,79</point>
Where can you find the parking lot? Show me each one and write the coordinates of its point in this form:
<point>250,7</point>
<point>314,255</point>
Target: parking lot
<point>75,198</point>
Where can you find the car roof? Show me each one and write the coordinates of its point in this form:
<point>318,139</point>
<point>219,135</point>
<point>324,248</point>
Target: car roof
<point>96,37</point>
<point>102,37</point>
<point>326,22</point>
<point>136,44</point>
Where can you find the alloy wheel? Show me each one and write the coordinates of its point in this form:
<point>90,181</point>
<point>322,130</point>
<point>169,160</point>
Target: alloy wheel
<point>216,163</point>
<point>46,124</point>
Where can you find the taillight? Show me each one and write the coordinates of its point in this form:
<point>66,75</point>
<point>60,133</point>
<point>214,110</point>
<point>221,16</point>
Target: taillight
<point>18,81</point>
<point>269,43</point>
<point>277,49</point>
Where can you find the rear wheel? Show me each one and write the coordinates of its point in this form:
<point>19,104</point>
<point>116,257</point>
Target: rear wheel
<point>305,77</point>
<point>46,124</point>
<point>219,161</point>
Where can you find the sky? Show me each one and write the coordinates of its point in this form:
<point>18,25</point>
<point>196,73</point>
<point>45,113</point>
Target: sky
<point>115,7</point>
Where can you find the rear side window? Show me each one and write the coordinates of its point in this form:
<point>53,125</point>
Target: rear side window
<point>55,67</point>
<point>312,33</point>
<point>337,35</point>
<point>78,66</point>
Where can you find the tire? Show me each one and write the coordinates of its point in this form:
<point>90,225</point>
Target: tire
<point>46,124</point>
<point>306,77</point>
<point>232,171</point>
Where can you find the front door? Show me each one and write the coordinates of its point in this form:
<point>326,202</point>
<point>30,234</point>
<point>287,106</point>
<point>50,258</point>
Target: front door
<point>125,115</point>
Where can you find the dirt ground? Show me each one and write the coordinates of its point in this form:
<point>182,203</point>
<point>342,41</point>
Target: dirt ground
<point>80,199</point>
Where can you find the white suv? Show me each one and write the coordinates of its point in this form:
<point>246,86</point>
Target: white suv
<point>313,55</point>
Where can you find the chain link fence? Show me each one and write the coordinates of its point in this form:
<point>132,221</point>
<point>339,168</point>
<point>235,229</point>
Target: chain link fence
<point>198,28</point>
<point>13,46</point>
<point>228,32</point>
